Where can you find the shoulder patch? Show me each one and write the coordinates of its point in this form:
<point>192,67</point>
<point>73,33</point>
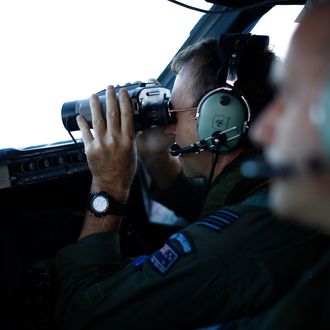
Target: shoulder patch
<point>163,259</point>
<point>219,220</point>
<point>184,241</point>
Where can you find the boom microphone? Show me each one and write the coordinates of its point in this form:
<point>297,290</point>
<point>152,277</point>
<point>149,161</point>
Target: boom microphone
<point>255,169</point>
<point>210,143</point>
<point>196,148</point>
<point>261,168</point>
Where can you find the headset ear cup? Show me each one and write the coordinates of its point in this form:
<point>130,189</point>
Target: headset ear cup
<point>321,116</point>
<point>223,109</point>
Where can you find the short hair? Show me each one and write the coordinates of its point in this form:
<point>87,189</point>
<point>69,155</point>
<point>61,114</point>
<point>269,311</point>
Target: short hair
<point>252,71</point>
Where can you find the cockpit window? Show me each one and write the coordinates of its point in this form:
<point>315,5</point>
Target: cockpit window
<point>53,52</point>
<point>279,24</point>
<point>58,51</point>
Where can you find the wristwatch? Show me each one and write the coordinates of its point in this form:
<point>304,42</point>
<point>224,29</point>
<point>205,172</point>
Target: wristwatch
<point>102,204</point>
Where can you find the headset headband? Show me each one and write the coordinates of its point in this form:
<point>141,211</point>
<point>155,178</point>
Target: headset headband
<point>232,46</point>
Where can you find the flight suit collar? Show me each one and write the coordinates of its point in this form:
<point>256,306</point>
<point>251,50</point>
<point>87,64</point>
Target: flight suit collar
<point>230,186</point>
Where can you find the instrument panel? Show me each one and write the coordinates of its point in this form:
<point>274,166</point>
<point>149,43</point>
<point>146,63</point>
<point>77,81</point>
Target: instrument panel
<point>19,167</point>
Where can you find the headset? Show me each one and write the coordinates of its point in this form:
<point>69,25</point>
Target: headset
<point>322,114</point>
<point>224,114</point>
<point>226,110</point>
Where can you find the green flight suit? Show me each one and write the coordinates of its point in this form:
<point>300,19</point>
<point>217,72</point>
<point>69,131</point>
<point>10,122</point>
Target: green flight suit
<point>305,307</point>
<point>230,264</point>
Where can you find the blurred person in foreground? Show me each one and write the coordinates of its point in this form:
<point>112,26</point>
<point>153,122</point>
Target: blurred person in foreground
<point>295,131</point>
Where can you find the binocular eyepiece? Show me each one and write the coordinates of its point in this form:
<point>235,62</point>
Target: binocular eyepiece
<point>150,104</point>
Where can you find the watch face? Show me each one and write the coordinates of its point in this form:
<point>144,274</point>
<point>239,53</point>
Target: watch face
<point>100,204</point>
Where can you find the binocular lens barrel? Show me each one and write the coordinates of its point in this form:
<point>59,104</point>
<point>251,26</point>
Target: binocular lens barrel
<point>149,106</point>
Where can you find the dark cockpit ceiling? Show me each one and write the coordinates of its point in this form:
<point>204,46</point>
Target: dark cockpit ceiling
<point>244,3</point>
<point>226,16</point>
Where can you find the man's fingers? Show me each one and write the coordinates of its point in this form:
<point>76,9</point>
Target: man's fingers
<point>98,121</point>
<point>112,114</point>
<point>86,133</point>
<point>126,113</point>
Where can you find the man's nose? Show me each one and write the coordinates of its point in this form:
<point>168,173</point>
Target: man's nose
<point>262,131</point>
<point>170,129</point>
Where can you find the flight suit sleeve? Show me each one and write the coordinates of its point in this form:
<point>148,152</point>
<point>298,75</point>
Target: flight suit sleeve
<point>208,272</point>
